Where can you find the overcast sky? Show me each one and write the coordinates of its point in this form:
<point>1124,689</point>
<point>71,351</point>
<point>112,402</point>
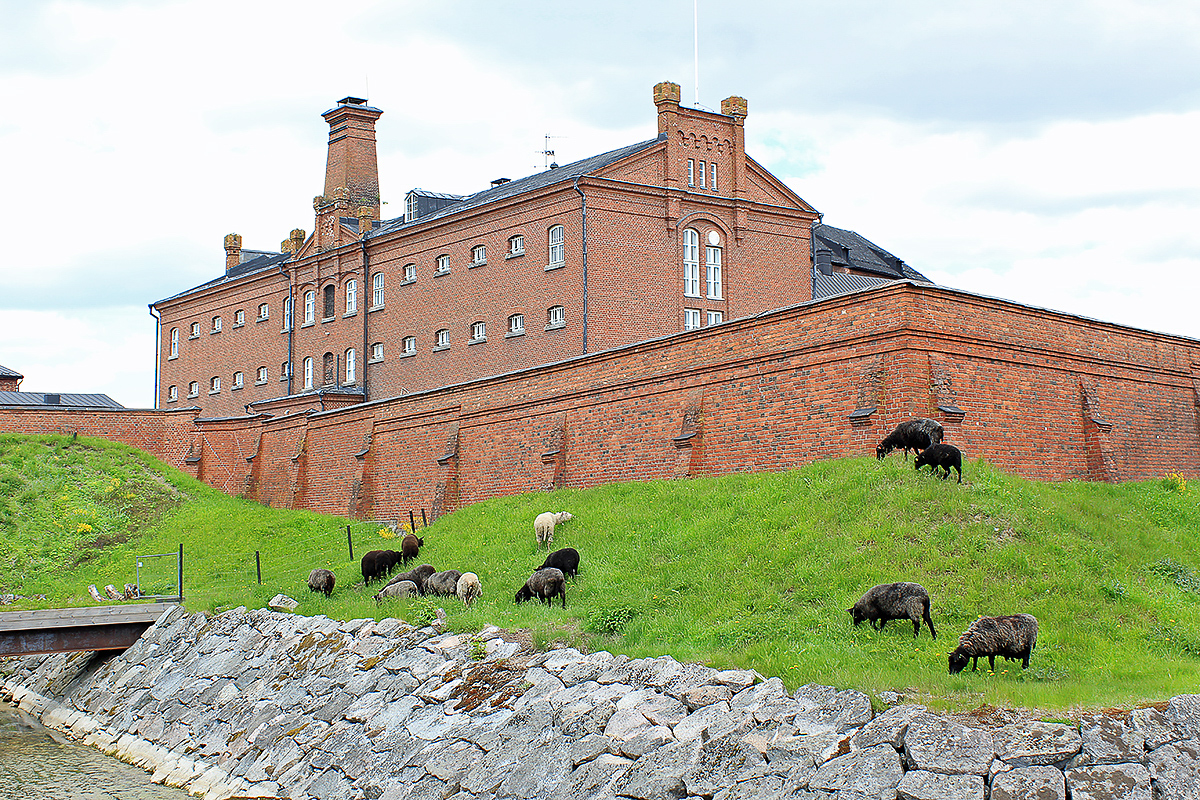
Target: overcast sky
<point>1044,152</point>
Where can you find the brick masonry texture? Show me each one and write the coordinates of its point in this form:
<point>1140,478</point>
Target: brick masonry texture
<point>1039,393</point>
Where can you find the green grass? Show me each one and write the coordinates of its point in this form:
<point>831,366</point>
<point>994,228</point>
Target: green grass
<point>748,571</point>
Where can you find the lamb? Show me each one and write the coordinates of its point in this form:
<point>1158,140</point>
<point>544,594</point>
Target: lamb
<point>397,589</point>
<point>566,559</point>
<point>321,580</point>
<point>889,601</point>
<point>941,456</point>
<point>418,575</point>
<point>410,546</point>
<point>442,584</point>
<point>912,434</point>
<point>545,585</point>
<point>468,588</point>
<point>1012,637</point>
<point>543,525</point>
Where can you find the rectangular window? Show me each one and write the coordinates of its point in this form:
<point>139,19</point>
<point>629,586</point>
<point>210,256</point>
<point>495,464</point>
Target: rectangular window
<point>443,265</point>
<point>214,385</point>
<point>239,317</point>
<point>703,169</point>
<point>712,184</point>
<point>557,255</point>
<point>264,311</point>
<point>410,345</point>
<point>216,324</point>
<point>195,330</point>
<point>516,324</point>
<point>351,297</point>
<point>691,319</point>
<point>516,245</point>
<point>238,380</point>
<point>310,307</point>
<point>443,338</point>
<point>410,272</point>
<point>556,317</point>
<point>174,342</point>
<point>377,290</point>
<point>691,172</point>
<point>479,255</point>
<point>478,331</point>
<point>285,369</point>
<point>715,318</point>
<point>713,263</point>
<point>351,365</point>
<point>308,373</point>
<point>172,394</point>
<point>691,263</point>
<point>377,351</point>
<point>287,313</point>
<point>410,210</point>
<point>193,389</point>
<point>262,375</point>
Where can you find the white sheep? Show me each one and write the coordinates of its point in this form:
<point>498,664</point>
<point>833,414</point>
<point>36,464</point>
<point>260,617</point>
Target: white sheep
<point>468,588</point>
<point>544,524</point>
<point>397,589</point>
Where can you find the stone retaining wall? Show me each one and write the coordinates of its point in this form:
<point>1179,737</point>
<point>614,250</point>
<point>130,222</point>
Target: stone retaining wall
<point>265,704</point>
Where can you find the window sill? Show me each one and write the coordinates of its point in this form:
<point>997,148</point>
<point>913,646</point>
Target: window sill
<point>172,399</point>
<point>551,267</point>
<point>374,308</point>
<point>477,341</point>
<point>262,319</point>
<point>718,299</point>
<point>475,264</point>
<point>307,324</point>
<point>192,396</point>
<point>172,358</point>
<point>328,319</point>
<point>239,325</point>
<point>407,281</point>
<point>441,347</point>
<point>693,296</point>
<point>217,391</point>
<point>283,379</point>
<point>194,336</point>
<point>410,355</point>
<point>556,326</point>
<point>513,255</point>
<point>349,314</point>
<point>218,330</point>
<point>260,383</point>
<point>514,334</point>
<point>375,361</point>
<point>440,273</point>
<point>235,388</point>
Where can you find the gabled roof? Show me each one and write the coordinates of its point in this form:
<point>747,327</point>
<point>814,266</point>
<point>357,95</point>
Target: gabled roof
<point>843,249</point>
<point>541,180</point>
<point>260,263</point>
<point>5,372</point>
<point>40,400</point>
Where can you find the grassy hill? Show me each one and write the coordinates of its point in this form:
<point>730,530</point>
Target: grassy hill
<point>742,570</point>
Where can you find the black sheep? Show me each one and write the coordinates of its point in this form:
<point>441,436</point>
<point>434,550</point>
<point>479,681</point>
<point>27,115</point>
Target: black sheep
<point>941,456</point>
<point>889,601</point>
<point>410,547</point>
<point>545,585</point>
<point>912,434</point>
<point>1012,637</point>
<point>566,559</point>
<point>418,575</point>
<point>378,564</point>
<point>321,580</point>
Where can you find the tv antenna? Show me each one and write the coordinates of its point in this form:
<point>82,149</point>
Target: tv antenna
<point>548,154</point>
<point>696,46</point>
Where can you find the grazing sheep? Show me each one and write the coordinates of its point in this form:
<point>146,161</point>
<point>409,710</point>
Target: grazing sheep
<point>397,589</point>
<point>321,580</point>
<point>1012,637</point>
<point>566,559</point>
<point>912,434</point>
<point>379,564</point>
<point>443,584</point>
<point>418,575</point>
<point>544,524</point>
<point>410,545</point>
<point>468,588</point>
<point>940,456</point>
<point>545,585</point>
<point>894,601</point>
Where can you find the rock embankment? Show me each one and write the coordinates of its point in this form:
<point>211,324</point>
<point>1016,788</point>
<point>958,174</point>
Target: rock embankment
<point>265,704</point>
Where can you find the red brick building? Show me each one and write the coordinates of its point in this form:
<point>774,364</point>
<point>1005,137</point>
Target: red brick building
<point>678,232</point>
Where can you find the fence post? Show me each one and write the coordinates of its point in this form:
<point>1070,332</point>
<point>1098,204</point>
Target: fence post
<point>349,542</point>
<point>412,525</point>
<point>258,566</point>
<point>180,572</point>
<point>424,522</point>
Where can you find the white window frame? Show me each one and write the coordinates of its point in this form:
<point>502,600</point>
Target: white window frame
<point>195,330</point>
<point>351,366</point>
<point>442,338</point>
<point>239,380</point>
<point>216,324</point>
<point>287,313</point>
<point>691,319</point>
<point>377,290</point>
<point>410,345</point>
<point>239,317</point>
<point>478,331</point>
<point>377,351</point>
<point>478,255</point>
<point>442,265</point>
<point>172,393</point>
<point>264,311</point>
<point>516,245</point>
<point>410,272</point>
<point>691,172</point>
<point>308,373</point>
<point>691,262</point>
<point>352,296</point>
<point>712,184</point>
<point>556,239</point>
<point>174,343</point>
<point>310,306</point>
<point>701,176</point>
<point>285,370</point>
<point>194,389</point>
<point>214,384</point>
<point>516,324</point>
<point>714,318</point>
<point>712,269</point>
<point>410,207</point>
<point>556,317</point>
<point>261,376</point>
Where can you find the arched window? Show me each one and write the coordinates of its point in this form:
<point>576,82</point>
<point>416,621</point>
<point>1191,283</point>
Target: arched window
<point>351,296</point>
<point>377,351</point>
<point>214,384</point>
<point>330,302</point>
<point>172,394</point>
<point>410,346</point>
<point>262,375</point>
<point>174,343</point>
<point>516,324</point>
<point>328,370</point>
<point>239,380</point>
<point>308,373</point>
<point>377,290</point>
<point>193,389</point>
<point>410,272</point>
<point>351,366</point>
<point>712,261</point>
<point>691,263</point>
<point>556,317</point>
<point>555,239</point>
<point>478,331</point>
<point>310,306</point>
<point>287,313</point>
<point>442,338</point>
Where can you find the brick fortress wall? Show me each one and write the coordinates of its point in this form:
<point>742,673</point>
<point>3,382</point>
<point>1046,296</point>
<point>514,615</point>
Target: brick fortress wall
<point>1040,393</point>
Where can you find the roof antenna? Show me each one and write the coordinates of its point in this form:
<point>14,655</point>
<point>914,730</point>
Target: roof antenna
<point>548,154</point>
<point>696,45</point>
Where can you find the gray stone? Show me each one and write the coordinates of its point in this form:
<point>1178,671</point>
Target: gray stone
<point>281,602</point>
<point>1175,768</point>
<point>1109,782</point>
<point>581,672</point>
<point>941,745</point>
<point>625,725</point>
<point>660,709</point>
<point>718,764</point>
<point>330,785</point>
<point>701,696</point>
<point>432,723</point>
<point>870,773</point>
<point>715,720</point>
<point>738,679</point>
<point>589,747</point>
<point>646,741</point>
<point>825,707</point>
<point>805,749</point>
<point>1108,741</point>
<point>538,770</point>
<point>659,775</point>
<point>887,728</point>
<point>593,778</point>
<point>1036,743</point>
<point>450,762</point>
<point>921,785</point>
<point>1154,726</point>
<point>1183,713</point>
<point>1022,783</point>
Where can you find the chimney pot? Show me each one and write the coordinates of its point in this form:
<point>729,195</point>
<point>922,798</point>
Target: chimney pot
<point>233,251</point>
<point>297,237</point>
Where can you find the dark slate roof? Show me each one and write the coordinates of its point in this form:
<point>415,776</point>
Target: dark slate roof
<point>848,249</point>
<point>567,172</point>
<point>258,263</point>
<point>38,399</point>
<point>439,195</point>
<point>842,283</point>
<point>5,372</point>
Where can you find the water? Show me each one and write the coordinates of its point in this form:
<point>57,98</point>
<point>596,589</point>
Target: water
<point>36,762</point>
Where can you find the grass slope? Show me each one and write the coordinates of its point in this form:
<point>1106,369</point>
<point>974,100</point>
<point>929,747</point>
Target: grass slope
<point>742,570</point>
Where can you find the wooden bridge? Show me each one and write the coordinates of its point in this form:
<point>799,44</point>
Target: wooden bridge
<point>65,630</point>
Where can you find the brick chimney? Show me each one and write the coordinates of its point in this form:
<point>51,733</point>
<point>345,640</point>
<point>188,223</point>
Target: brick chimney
<point>233,251</point>
<point>352,161</point>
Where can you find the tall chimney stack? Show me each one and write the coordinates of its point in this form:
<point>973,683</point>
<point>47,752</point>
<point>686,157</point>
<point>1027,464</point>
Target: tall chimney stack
<point>233,251</point>
<point>352,162</point>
